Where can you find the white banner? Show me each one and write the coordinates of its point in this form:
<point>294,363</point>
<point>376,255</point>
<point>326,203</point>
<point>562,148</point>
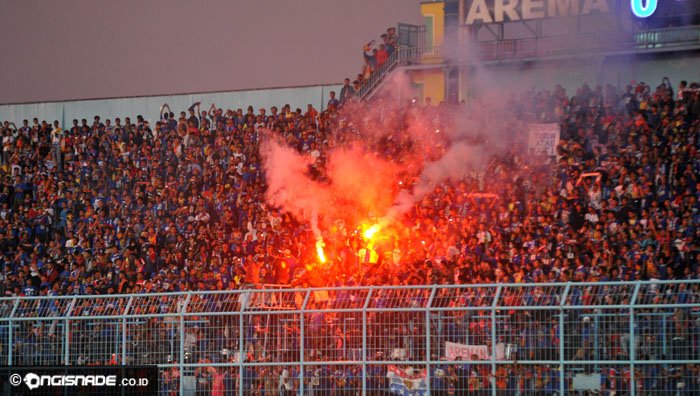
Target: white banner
<point>543,139</point>
<point>455,351</point>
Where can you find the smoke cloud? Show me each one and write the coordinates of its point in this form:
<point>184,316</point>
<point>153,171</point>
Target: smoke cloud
<point>388,155</point>
<point>357,184</point>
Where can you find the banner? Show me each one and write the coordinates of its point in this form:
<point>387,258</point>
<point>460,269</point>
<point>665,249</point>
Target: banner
<point>407,382</point>
<point>543,139</point>
<point>455,351</point>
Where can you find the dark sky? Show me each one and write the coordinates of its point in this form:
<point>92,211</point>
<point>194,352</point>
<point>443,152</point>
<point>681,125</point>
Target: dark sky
<point>75,49</point>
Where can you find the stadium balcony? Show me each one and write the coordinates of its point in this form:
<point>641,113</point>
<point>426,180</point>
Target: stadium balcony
<point>418,51</point>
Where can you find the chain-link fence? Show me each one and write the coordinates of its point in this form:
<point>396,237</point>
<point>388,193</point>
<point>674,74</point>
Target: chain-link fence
<point>541,339</point>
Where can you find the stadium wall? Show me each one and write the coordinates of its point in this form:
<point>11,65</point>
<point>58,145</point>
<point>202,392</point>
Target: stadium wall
<point>149,106</point>
<point>429,84</point>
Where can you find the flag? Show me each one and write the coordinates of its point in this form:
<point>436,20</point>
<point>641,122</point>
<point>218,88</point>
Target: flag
<point>407,382</point>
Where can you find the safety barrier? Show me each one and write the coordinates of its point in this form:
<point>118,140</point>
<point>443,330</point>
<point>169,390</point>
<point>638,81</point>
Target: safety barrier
<point>634,338</point>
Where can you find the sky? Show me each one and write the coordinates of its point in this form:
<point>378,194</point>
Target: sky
<point>81,49</point>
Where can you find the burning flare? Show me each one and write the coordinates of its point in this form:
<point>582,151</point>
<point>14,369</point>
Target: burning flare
<point>319,251</point>
<point>371,231</point>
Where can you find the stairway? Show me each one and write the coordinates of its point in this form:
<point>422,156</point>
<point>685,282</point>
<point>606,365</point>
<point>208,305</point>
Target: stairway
<point>411,48</point>
<point>403,56</point>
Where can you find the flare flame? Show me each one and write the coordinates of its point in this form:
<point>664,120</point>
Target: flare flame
<point>371,231</point>
<point>319,251</point>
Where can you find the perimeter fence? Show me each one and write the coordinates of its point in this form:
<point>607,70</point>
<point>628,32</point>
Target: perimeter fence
<point>574,338</point>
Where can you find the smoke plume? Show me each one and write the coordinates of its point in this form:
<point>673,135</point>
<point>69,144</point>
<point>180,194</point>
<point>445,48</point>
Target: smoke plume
<point>358,184</point>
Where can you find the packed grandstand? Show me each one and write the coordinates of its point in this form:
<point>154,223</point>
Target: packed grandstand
<point>125,207</point>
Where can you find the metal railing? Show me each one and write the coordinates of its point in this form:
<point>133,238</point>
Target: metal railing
<point>379,74</point>
<point>551,338</point>
<point>403,56</point>
<point>552,46</point>
<point>412,48</point>
<point>598,42</point>
<point>668,37</point>
<point>635,338</point>
<point>412,36</point>
<point>590,43</point>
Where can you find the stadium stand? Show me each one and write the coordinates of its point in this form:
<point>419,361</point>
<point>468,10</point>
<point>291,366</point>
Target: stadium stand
<point>108,208</point>
<point>121,207</point>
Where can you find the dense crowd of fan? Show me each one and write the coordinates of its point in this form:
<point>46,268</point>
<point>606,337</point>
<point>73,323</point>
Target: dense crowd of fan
<point>118,207</point>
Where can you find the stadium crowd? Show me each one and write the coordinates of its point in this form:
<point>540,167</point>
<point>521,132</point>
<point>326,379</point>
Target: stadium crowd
<point>128,207</point>
<point>125,207</point>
